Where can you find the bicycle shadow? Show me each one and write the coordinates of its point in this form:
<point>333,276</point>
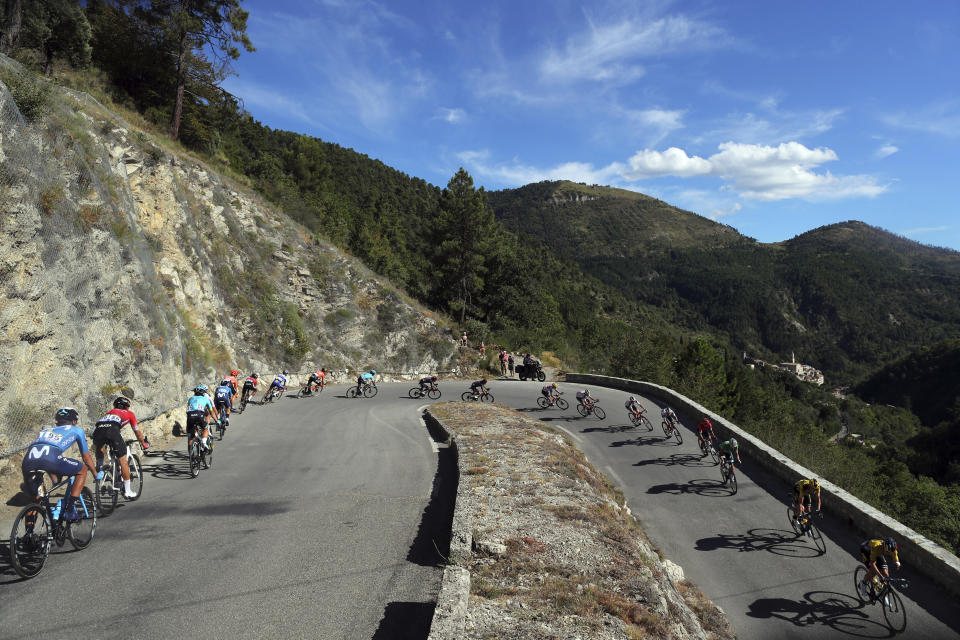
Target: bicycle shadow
<point>170,465</point>
<point>639,440</point>
<point>682,459</point>
<point>838,611</point>
<point>614,428</point>
<point>560,418</point>
<point>776,541</point>
<point>700,486</point>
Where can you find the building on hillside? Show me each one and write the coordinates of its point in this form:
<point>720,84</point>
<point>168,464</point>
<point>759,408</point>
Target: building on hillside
<point>803,371</point>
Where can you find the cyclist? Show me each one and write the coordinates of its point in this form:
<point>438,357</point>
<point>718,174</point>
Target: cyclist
<point>634,407</point>
<point>322,377</point>
<point>430,382</point>
<point>223,400</point>
<point>803,493</point>
<point>250,385</point>
<point>584,398</point>
<point>873,554</point>
<point>315,379</point>
<point>107,432</point>
<point>551,392</point>
<point>730,449</point>
<point>234,384</point>
<point>199,407</point>
<point>705,430</point>
<point>669,415</point>
<point>46,454</point>
<point>279,382</point>
<point>479,387</point>
<point>364,379</point>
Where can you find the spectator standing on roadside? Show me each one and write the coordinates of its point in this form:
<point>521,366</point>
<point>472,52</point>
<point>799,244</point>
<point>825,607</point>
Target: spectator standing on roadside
<point>463,339</point>
<point>483,349</point>
<point>503,362</point>
<point>510,362</point>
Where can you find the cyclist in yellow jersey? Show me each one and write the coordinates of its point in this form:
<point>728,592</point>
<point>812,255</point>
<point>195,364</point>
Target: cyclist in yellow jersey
<point>803,493</point>
<point>873,554</point>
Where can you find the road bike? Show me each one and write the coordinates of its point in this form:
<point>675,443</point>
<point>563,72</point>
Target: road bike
<point>313,389</point>
<point>670,428</point>
<point>418,392</point>
<point>367,391</point>
<point>200,456</point>
<point>883,591</point>
<point>245,397</point>
<point>640,421</point>
<point>221,427</point>
<point>482,396</point>
<point>109,482</point>
<point>40,525</point>
<point>728,474</point>
<point>708,448</point>
<point>584,410</point>
<point>556,401</point>
<point>272,394</point>
<point>804,525</point>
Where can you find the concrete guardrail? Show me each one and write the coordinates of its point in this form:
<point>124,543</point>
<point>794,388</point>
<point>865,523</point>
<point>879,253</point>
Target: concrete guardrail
<point>928,557</point>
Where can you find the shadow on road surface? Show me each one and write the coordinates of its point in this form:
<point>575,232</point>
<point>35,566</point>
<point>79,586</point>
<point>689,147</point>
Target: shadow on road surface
<point>404,620</point>
<point>700,487</point>
<point>780,542</point>
<point>841,612</point>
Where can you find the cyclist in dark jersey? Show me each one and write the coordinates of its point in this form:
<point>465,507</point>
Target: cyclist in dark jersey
<point>107,432</point>
<point>223,400</point>
<point>46,454</point>
<point>428,383</point>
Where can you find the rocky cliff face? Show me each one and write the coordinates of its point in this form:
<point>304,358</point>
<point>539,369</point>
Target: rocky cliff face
<point>125,264</point>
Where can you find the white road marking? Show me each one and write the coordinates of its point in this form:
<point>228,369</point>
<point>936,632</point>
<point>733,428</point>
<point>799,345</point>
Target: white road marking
<point>613,473</point>
<point>433,444</point>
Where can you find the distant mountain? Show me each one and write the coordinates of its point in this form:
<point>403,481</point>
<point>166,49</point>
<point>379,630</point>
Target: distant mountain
<point>847,298</point>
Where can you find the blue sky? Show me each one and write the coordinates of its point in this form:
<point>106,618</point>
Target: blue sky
<point>772,117</point>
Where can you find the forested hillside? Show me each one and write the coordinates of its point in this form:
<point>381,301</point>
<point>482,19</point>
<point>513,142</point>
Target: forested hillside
<point>847,298</point>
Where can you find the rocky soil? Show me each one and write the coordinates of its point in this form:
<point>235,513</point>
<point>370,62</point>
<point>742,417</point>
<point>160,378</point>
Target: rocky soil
<point>554,552</point>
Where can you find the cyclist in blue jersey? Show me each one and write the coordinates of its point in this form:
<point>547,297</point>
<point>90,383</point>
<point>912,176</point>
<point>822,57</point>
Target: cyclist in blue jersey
<point>365,378</point>
<point>279,383</point>
<point>223,400</point>
<point>199,407</point>
<point>46,454</point>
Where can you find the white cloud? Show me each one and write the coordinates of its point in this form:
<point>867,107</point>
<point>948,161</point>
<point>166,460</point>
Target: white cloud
<point>672,162</point>
<point>921,230</point>
<point>941,118</point>
<point>516,173</point>
<point>453,116</point>
<point>885,151</point>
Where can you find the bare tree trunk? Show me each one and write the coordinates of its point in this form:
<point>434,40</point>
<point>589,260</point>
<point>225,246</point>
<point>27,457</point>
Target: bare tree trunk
<point>181,82</point>
<point>12,19</point>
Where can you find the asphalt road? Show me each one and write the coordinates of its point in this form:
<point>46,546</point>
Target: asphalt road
<point>308,525</point>
<point>740,549</point>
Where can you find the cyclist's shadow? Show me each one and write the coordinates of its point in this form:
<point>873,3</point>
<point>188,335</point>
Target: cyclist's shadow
<point>839,611</point>
<point>170,464</point>
<point>780,542</point>
<point>700,486</point>
<point>683,459</point>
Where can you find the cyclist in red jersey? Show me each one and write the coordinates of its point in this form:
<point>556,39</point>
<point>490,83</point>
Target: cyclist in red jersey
<point>250,385</point>
<point>233,382</point>
<point>107,431</point>
<point>705,430</point>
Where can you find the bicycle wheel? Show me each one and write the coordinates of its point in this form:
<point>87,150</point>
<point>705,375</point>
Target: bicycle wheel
<point>414,392</point>
<point>106,488</point>
<point>486,397</point>
<point>893,611</point>
<point>601,414</point>
<point>30,543</point>
<point>81,531</point>
<point>792,517</point>
<point>714,454</point>
<point>221,430</point>
<point>195,460</point>
<point>643,420</point>
<point>582,410</point>
<point>665,427</point>
<point>858,575</point>
<point>208,456</point>
<point>542,402</point>
<point>433,394</point>
<point>352,392</point>
<point>817,537</point>
<point>676,433</point>
<point>136,477</point>
<point>374,390</point>
<point>732,480</point>
<point>562,404</point>
<point>466,396</point>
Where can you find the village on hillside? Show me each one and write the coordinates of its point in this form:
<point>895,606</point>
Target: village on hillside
<point>804,372</point>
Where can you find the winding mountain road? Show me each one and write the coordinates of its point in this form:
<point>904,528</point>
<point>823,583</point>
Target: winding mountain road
<point>317,521</point>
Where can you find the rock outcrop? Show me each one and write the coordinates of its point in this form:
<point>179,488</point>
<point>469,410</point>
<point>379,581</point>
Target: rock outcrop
<point>127,264</point>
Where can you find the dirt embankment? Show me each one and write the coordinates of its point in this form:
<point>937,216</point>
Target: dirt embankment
<point>554,552</point>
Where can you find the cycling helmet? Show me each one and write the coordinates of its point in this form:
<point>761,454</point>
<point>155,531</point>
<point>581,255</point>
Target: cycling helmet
<point>632,399</point>
<point>891,545</point>
<point>234,372</point>
<point>816,484</point>
<point>200,389</point>
<point>554,385</point>
<point>434,378</point>
<point>285,372</point>
<point>373,372</point>
<point>121,403</point>
<point>67,415</point>
<point>226,381</point>
<point>255,375</point>
<point>734,443</point>
<point>324,369</point>
<point>484,381</point>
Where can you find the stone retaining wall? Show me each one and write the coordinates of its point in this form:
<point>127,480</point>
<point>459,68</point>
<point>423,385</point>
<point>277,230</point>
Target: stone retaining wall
<point>927,556</point>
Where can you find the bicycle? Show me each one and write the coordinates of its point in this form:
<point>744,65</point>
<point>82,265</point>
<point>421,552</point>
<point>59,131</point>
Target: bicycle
<point>199,455</point>
<point>556,401</point>
<point>707,448</point>
<point>584,410</point>
<point>109,482</point>
<point>272,394</point>
<point>245,397</point>
<point>311,389</point>
<point>670,428</point>
<point>417,392</point>
<point>728,475</point>
<point>221,427</point>
<point>640,421</point>
<point>803,525</point>
<point>470,396</point>
<point>41,524</point>
<point>367,391</point>
<point>885,591</point>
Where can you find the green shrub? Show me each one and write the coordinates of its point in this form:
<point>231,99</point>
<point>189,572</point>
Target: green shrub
<point>31,94</point>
